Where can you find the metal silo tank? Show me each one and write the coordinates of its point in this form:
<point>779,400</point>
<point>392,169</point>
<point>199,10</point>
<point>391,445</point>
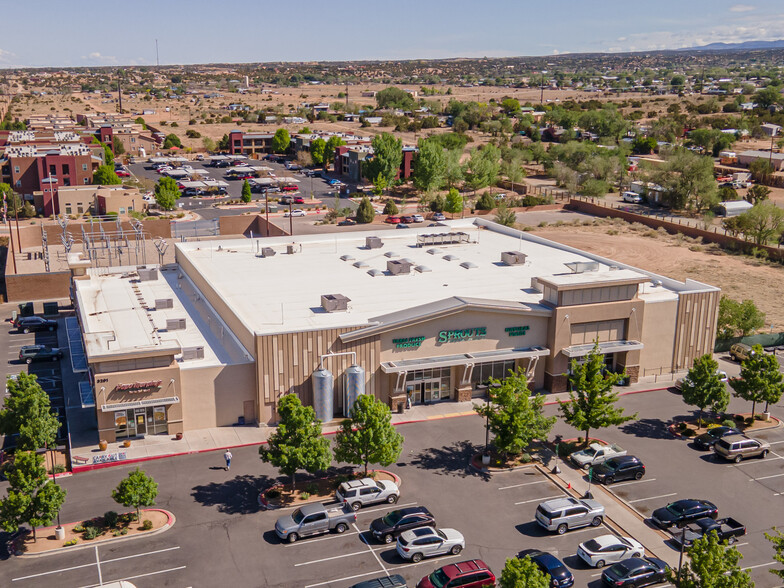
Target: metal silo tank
<point>355,387</point>
<point>323,391</point>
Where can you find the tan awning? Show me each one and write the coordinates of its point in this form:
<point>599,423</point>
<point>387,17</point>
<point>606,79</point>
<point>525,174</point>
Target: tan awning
<point>606,347</point>
<point>407,365</point>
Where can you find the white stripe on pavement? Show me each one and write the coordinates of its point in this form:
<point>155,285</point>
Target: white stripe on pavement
<point>89,565</point>
<point>373,551</point>
<point>396,506</point>
<point>309,541</point>
<point>765,477</point>
<point>743,463</point>
<point>772,563</point>
<point>611,486</point>
<point>651,498</point>
<point>323,559</point>
<point>526,484</point>
<point>140,576</point>
<point>539,499</point>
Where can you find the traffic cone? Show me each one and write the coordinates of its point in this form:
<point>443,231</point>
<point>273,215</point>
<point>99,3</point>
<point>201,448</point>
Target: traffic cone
<point>568,485</point>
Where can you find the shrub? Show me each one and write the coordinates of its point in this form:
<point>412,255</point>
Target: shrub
<point>486,202</point>
<point>274,493</point>
<point>90,533</point>
<point>146,525</point>
<point>78,528</point>
<point>542,224</point>
<point>110,518</point>
<point>526,458</point>
<point>683,426</point>
<point>304,495</point>
<point>689,433</point>
<point>70,542</point>
<point>727,423</point>
<point>749,421</point>
<point>739,417</point>
<point>312,488</point>
<point>712,426</point>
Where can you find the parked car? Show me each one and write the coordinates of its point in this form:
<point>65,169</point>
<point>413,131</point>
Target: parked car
<point>738,447</point>
<point>401,226</point>
<point>122,173</point>
<point>393,581</point>
<point>722,376</point>
<point>595,454</point>
<point>563,514</point>
<point>191,192</point>
<point>741,352</point>
<point>290,188</point>
<point>32,324</point>
<point>560,576</point>
<point>406,219</point>
<point>471,574</point>
<point>727,529</point>
<point>429,542</point>
<point>609,549</point>
<point>286,199</point>
<point>682,512</point>
<point>438,216</point>
<point>333,182</point>
<point>615,469</point>
<point>632,197</point>
<point>707,440</point>
<point>314,519</point>
<point>31,353</point>
<point>299,200</point>
<point>392,219</point>
<point>295,212</point>
<point>359,493</point>
<point>636,572</point>
<point>387,528</point>
<point>417,218</point>
<point>347,222</point>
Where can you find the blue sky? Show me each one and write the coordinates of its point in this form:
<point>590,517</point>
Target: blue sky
<point>89,33</point>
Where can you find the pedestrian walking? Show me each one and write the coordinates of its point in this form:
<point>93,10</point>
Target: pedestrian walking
<point>227,456</point>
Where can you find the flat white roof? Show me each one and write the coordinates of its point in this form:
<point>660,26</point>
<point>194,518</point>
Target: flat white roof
<point>282,293</point>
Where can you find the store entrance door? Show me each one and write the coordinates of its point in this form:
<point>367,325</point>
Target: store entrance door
<point>424,391</point>
<point>139,416</point>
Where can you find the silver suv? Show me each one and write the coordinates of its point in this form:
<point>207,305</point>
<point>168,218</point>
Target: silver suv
<point>359,493</point>
<point>738,447</point>
<point>563,514</point>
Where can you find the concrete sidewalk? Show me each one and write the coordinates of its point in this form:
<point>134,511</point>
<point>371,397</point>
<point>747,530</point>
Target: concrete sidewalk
<point>85,454</point>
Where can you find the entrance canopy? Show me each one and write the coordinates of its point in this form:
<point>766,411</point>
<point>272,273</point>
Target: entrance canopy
<point>606,347</point>
<point>407,365</point>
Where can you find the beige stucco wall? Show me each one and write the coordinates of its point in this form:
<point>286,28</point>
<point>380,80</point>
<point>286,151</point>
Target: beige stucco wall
<point>658,329</point>
<point>214,396</point>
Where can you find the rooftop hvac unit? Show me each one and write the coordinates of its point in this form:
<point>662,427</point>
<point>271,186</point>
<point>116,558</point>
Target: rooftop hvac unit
<point>267,252</point>
<point>192,353</point>
<point>373,243</point>
<point>291,249</point>
<point>334,302</point>
<point>579,267</point>
<point>147,274</point>
<point>513,257</point>
<point>398,267</point>
<point>175,324</point>
<point>161,303</point>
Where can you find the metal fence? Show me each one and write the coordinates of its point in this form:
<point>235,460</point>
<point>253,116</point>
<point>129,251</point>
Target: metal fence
<point>199,228</point>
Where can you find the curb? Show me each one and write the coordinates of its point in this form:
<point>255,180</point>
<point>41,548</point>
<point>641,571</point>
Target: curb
<point>671,428</point>
<point>169,524</point>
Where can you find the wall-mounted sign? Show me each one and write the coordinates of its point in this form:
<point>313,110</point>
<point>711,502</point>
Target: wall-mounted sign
<point>139,404</point>
<point>138,387</point>
<point>408,342</point>
<point>462,335</point>
<point>516,331</point>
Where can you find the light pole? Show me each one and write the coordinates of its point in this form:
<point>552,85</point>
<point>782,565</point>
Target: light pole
<point>291,220</point>
<point>59,528</point>
<point>680,558</point>
<point>590,477</point>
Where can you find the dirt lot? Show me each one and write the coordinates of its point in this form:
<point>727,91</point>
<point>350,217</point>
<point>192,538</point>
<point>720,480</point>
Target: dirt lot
<point>739,277</point>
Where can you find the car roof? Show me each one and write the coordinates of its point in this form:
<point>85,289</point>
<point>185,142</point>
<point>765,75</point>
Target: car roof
<point>735,437</point>
<point>413,510</point>
<point>464,567</point>
<point>607,540</point>
<point>32,347</point>
<point>691,502</point>
<point>548,560</point>
<point>625,459</point>
<point>307,509</point>
<point>559,503</point>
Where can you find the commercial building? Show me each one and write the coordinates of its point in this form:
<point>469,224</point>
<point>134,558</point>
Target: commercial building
<point>426,314</point>
<point>99,200</point>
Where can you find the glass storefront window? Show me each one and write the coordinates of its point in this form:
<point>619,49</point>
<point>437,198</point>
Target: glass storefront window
<point>498,370</point>
<point>424,386</point>
<point>140,421</point>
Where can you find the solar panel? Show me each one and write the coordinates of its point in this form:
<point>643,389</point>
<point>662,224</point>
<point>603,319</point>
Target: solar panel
<point>75,346</point>
<point>86,394</point>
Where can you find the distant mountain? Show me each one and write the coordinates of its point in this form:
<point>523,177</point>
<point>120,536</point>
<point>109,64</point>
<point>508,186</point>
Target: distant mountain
<point>735,46</point>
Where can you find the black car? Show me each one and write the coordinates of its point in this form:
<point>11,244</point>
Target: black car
<point>31,353</point>
<point>636,571</point>
<point>708,440</point>
<point>387,528</point>
<point>683,512</point>
<point>31,324</point>
<point>560,576</point>
<point>347,223</point>
<point>615,469</point>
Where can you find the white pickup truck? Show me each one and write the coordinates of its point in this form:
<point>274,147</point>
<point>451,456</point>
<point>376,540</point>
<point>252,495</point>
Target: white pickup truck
<point>595,455</point>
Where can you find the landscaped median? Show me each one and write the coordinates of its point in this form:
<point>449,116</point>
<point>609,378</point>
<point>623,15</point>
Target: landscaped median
<point>110,527</point>
<point>743,422</point>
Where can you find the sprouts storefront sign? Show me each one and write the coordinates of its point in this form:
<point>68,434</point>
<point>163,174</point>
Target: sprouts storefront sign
<point>461,335</point>
<point>456,335</point>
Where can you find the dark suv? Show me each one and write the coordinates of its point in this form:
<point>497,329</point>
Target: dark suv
<point>387,528</point>
<point>708,440</point>
<point>626,467</point>
<point>31,353</point>
<point>393,581</point>
<point>466,574</point>
<point>31,324</point>
<point>683,512</point>
<point>560,576</point>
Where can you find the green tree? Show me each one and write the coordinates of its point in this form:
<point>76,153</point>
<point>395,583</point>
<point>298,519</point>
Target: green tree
<point>703,387</point>
<point>297,443</point>
<point>28,413</point>
<point>140,121</point>
<point>438,203</point>
<point>108,156</point>
<point>760,379</point>
<point>32,498</point>
<point>368,436</point>
<point>393,97</point>
<point>454,202</point>
<point>281,141</point>
<point>688,180</point>
<point>712,564</point>
<point>317,147</point>
<point>453,169</point>
<point>761,170</point>
<point>167,193</point>
<point>208,144</point>
<point>137,490</point>
<point>778,547</point>
<point>224,144</point>
<point>643,145</point>
<point>429,165</point>
<point>505,216</point>
<point>390,208</point>
<point>486,202</point>
<point>246,194</point>
<point>119,148</point>
<point>768,97</point>
<point>763,223</point>
<point>757,193</point>
<point>738,319</point>
<point>106,176</point>
<point>483,167</point>
<point>510,105</point>
<point>513,416</point>
<point>365,211</point>
<point>522,573</point>
<point>329,148</point>
<point>386,159</point>
<point>172,140</point>
<point>591,403</point>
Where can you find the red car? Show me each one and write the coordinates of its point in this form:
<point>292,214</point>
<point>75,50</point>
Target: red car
<point>299,200</point>
<point>122,173</point>
<point>466,574</point>
<point>392,220</point>
<point>290,188</point>
<point>407,219</point>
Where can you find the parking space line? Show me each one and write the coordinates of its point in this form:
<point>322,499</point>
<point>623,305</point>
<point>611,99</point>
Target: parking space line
<point>140,576</point>
<point>309,541</point>
<point>772,563</point>
<point>765,477</point>
<point>142,554</point>
<point>632,482</point>
<point>775,442</point>
<point>352,554</point>
<point>743,463</point>
<point>98,563</point>
<point>424,561</point>
<point>373,551</point>
<point>539,499</point>
<point>651,498</point>
<point>570,533</point>
<point>89,565</point>
<point>526,484</point>
<point>363,511</point>
<point>354,577</point>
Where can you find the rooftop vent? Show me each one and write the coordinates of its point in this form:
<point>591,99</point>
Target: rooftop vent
<point>375,273</point>
<point>422,269</point>
<point>434,251</point>
<point>469,265</point>
<point>579,267</point>
<point>161,303</point>
<point>347,257</point>
<point>391,254</point>
<point>267,252</point>
<point>189,353</point>
<point>450,257</point>
<point>147,274</point>
<point>360,264</point>
<point>292,249</point>
<point>373,243</point>
<point>398,267</point>
<point>513,257</point>
<point>334,302</point>
<point>175,324</point>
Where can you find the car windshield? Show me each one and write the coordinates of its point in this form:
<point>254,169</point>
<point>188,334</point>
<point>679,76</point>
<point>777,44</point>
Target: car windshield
<point>392,518</point>
<point>677,508</point>
<point>611,464</point>
<point>439,579</point>
<point>717,431</point>
<point>441,534</point>
<point>620,569</point>
<point>297,516</point>
<point>591,545</point>
<point>590,451</point>
<point>379,485</point>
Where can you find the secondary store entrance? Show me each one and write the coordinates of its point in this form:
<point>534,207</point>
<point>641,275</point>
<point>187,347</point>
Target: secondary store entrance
<point>424,391</point>
<point>138,422</point>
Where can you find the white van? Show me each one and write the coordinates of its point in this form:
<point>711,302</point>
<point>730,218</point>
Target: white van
<point>632,197</point>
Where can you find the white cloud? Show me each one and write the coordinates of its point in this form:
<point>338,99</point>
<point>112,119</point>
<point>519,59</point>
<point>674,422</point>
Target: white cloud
<point>742,8</point>
<point>6,55</point>
<point>96,56</point>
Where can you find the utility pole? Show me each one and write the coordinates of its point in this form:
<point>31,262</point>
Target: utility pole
<point>157,59</point>
<point>119,91</point>
<point>346,96</point>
